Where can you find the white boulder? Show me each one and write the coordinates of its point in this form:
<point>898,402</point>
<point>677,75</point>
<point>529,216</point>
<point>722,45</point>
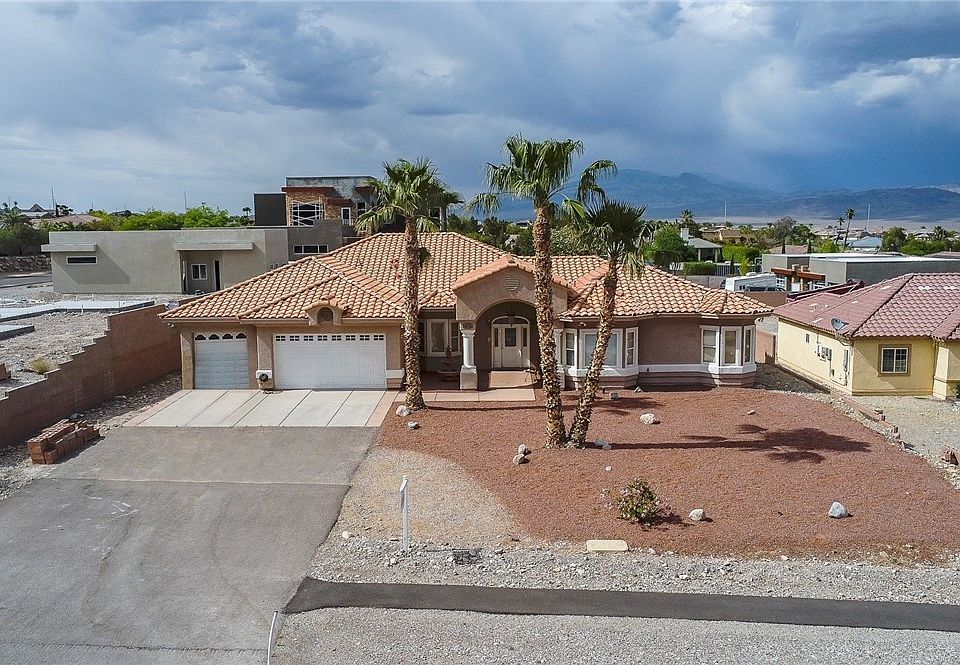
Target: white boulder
<point>698,515</point>
<point>649,419</point>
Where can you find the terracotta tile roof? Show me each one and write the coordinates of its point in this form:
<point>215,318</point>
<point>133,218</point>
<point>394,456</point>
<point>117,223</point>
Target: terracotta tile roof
<point>657,292</point>
<point>912,305</point>
<point>364,277</point>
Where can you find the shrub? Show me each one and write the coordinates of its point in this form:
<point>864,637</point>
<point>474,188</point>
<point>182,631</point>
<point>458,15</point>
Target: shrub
<point>699,268</point>
<point>638,503</point>
<point>41,365</point>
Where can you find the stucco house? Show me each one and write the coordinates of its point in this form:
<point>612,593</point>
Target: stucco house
<point>898,337</point>
<point>334,321</point>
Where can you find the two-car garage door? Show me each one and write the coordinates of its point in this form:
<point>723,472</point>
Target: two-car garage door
<point>330,361</point>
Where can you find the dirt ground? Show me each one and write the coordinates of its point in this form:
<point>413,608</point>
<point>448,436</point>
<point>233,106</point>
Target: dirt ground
<point>766,480</point>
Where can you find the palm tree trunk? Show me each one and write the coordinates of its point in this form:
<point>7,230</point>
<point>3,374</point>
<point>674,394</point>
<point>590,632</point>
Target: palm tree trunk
<point>411,316</point>
<point>588,392</point>
<point>543,292</point>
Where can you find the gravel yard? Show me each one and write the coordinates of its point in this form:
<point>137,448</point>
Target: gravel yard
<point>396,636</point>
<point>765,478</point>
<point>56,337</point>
<point>16,470</point>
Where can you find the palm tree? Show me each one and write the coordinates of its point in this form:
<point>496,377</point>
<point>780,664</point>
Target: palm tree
<point>618,228</point>
<point>12,217</point>
<point>851,213</point>
<point>940,234</point>
<point>246,211</point>
<point>540,172</point>
<point>409,190</point>
<point>442,202</point>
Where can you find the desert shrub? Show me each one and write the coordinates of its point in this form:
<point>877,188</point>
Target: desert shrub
<point>40,365</point>
<point>699,268</point>
<point>638,503</point>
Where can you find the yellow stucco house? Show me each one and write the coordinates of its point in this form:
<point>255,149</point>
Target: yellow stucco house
<point>897,337</point>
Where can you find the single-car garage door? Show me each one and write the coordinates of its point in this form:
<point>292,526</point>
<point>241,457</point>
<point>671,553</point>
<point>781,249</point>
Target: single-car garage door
<point>220,361</point>
<point>334,361</point>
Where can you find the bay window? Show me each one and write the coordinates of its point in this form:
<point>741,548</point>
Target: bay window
<point>630,351</point>
<point>748,344</point>
<point>612,358</point>
<point>570,348</point>
<point>708,345</point>
<point>731,352</point>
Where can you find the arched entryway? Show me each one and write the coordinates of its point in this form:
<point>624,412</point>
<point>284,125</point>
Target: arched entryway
<point>507,346</point>
<point>510,343</point>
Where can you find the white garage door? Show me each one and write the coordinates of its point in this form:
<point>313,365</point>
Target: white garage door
<point>340,361</point>
<point>220,361</point>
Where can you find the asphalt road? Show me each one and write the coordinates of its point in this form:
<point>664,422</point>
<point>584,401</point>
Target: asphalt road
<point>168,545</point>
<point>6,281</point>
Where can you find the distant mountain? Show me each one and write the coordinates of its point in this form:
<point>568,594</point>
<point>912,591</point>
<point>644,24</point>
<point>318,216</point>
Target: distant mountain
<point>667,196</point>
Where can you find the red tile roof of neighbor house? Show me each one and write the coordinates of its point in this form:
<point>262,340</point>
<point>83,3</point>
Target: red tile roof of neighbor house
<point>364,279</point>
<point>912,305</point>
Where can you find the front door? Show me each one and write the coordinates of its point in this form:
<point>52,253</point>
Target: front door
<point>511,345</point>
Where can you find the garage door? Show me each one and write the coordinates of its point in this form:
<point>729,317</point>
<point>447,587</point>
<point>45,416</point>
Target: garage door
<point>342,361</point>
<point>220,361</point>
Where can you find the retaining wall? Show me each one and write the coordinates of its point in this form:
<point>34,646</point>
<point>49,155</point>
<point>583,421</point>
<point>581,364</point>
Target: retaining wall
<point>32,263</point>
<point>136,348</point>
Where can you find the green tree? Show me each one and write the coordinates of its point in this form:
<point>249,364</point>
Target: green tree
<point>893,239</point>
<point>940,234</point>
<point>620,230</point>
<point>781,231</point>
<point>540,172</point>
<point>495,232</point>
<point>10,217</point>
<point>20,239</point>
<point>667,246</point>
<point>408,191</point>
<point>523,244</point>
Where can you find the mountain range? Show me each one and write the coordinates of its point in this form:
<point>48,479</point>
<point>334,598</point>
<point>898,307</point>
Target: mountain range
<point>667,196</point>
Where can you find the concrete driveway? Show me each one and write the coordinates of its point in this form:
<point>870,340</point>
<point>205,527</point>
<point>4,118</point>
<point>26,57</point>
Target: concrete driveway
<point>162,545</point>
<point>255,408</point>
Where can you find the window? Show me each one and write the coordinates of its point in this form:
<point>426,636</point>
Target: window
<point>73,260</point>
<point>454,337</point>
<point>438,337</point>
<point>345,214</point>
<point>570,349</point>
<point>325,314</point>
<point>198,271</point>
<point>730,350</point>
<point>612,358</point>
<point>709,345</point>
<point>309,249</point>
<point>631,351</point>
<point>895,360</point>
<point>305,214</point>
<point>807,338</point>
<point>748,345</point>
<point>361,207</point>
<point>423,336</point>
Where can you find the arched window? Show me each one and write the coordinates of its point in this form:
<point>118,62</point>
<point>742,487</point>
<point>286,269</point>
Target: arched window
<point>325,314</point>
<point>214,336</point>
<point>228,336</point>
<point>199,337</point>
<point>241,336</point>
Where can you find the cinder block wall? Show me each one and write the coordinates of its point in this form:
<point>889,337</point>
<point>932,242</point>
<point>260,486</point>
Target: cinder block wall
<point>137,348</point>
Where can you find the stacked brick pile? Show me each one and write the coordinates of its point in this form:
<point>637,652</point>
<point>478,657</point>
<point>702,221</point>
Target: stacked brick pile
<point>57,441</point>
<point>4,372</point>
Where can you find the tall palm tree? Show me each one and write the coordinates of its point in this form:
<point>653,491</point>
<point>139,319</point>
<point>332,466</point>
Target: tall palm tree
<point>940,234</point>
<point>618,228</point>
<point>541,172</point>
<point>444,199</point>
<point>851,213</point>
<point>408,191</point>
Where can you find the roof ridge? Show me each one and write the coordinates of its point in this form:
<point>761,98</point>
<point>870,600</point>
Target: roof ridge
<point>903,279</point>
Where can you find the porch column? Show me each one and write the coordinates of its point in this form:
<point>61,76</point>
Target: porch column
<point>468,372</point>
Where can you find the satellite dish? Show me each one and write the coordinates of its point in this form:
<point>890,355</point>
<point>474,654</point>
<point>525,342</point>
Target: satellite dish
<point>838,324</point>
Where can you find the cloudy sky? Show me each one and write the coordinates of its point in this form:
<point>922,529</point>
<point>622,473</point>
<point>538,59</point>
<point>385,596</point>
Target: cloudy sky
<point>128,105</point>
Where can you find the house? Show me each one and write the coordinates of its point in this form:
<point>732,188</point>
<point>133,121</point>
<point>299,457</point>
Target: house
<point>335,320</point>
<point>706,250</point>
<point>866,243</point>
<point>898,337</point>
<point>333,202</point>
<point>826,269</point>
<point>723,234</point>
<point>176,261</point>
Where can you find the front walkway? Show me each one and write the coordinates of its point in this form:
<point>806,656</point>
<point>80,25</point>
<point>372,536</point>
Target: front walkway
<point>495,395</point>
<point>256,408</point>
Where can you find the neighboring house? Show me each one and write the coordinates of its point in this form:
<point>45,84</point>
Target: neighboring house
<point>898,337</point>
<point>176,261</point>
<point>725,235</point>
<point>332,202</point>
<point>866,243</point>
<point>826,269</point>
<point>706,250</point>
<point>334,321</point>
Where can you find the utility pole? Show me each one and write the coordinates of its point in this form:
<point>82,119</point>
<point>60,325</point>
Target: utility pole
<point>184,200</point>
<point>53,199</point>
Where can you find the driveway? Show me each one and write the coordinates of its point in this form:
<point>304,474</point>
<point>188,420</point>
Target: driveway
<point>255,408</point>
<point>168,546</point>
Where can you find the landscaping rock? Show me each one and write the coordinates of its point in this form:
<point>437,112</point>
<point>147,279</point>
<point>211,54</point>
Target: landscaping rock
<point>465,557</point>
<point>649,419</point>
<point>603,444</point>
<point>403,410</point>
<point>614,396</point>
<point>837,511</point>
<point>606,546</point>
<point>751,412</point>
<point>520,459</point>
<point>346,535</point>
<point>698,515</point>
<point>949,456</point>
<point>523,450</point>
<point>413,424</point>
